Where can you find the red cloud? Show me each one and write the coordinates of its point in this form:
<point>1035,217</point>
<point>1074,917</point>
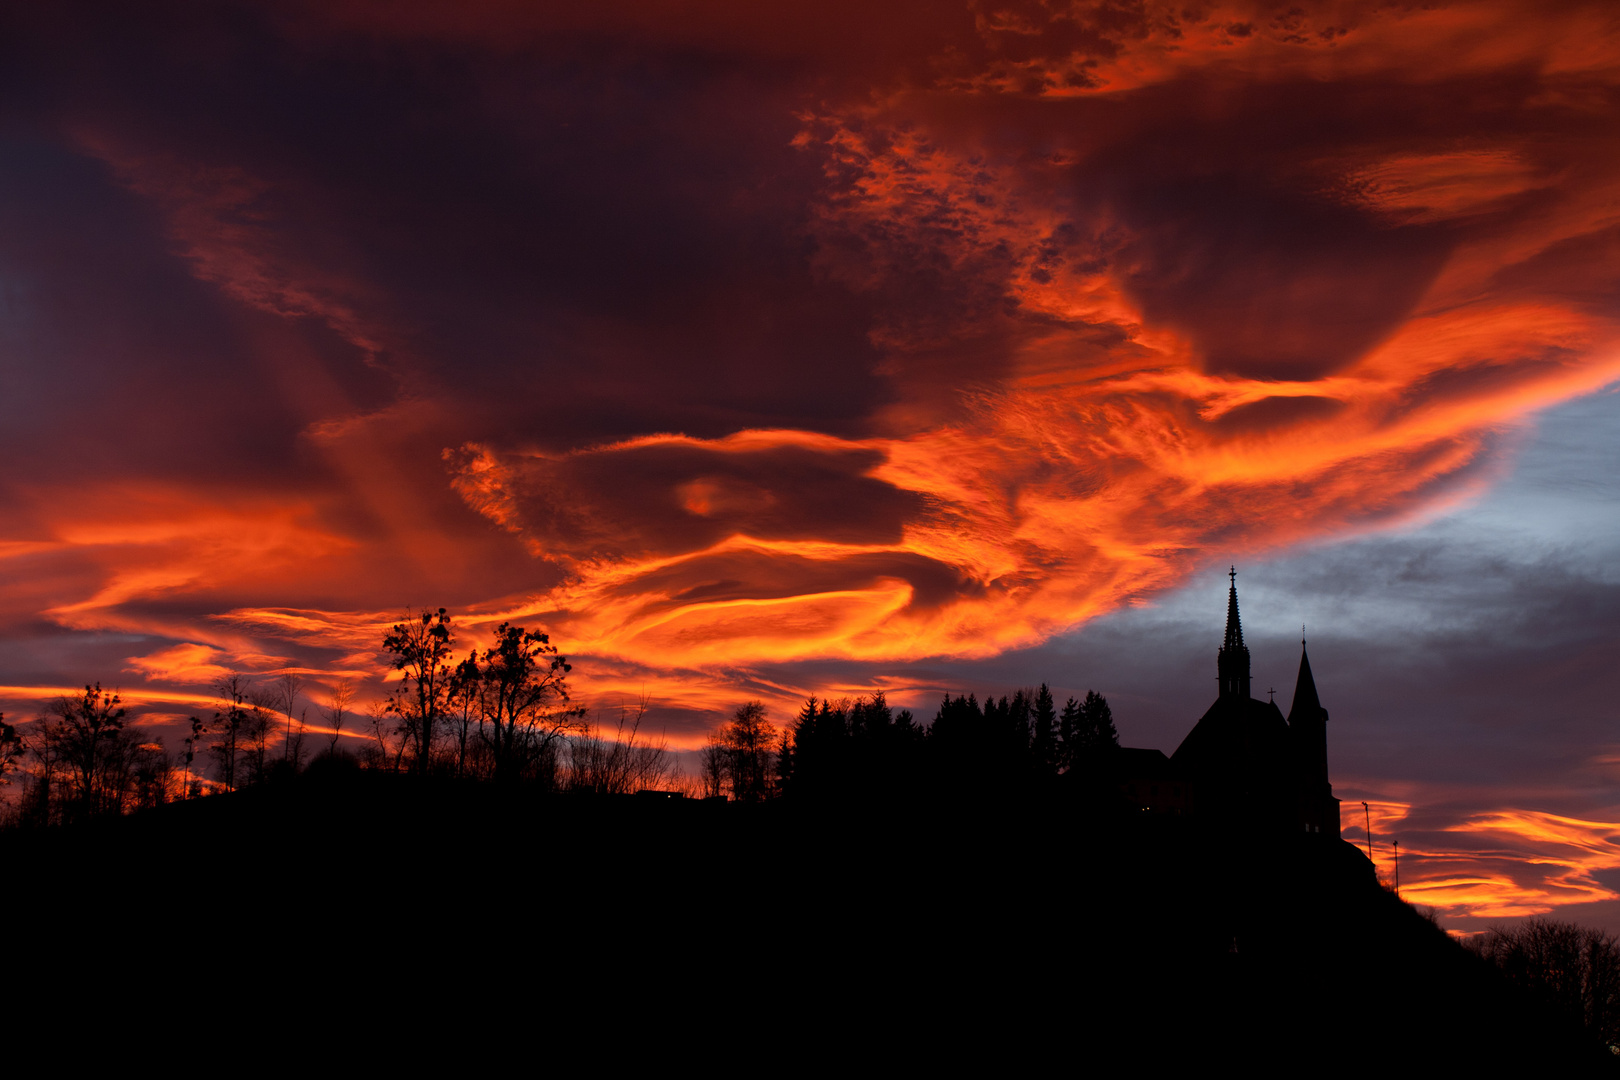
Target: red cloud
<point>1116,289</point>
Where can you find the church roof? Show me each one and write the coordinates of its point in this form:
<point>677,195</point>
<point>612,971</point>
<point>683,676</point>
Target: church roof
<point>1141,764</point>
<point>1234,730</point>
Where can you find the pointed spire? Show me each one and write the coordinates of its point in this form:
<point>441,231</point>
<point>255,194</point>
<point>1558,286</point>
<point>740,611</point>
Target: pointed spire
<point>1234,625</point>
<point>1232,662</point>
<point>1307,723</point>
<point>1307,706</point>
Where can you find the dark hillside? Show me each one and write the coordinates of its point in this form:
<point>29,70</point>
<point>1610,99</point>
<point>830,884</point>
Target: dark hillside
<point>1028,925</point>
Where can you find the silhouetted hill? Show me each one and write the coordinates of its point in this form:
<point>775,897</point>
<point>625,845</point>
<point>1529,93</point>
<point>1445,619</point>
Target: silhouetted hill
<point>1023,928</point>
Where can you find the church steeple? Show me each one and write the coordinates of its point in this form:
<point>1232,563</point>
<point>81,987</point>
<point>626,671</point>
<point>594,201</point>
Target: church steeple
<point>1307,706</point>
<point>1307,720</point>
<point>1234,625</point>
<point>1232,662</point>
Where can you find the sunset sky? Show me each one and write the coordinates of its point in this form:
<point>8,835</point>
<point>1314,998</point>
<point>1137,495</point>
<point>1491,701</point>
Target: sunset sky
<point>757,350</point>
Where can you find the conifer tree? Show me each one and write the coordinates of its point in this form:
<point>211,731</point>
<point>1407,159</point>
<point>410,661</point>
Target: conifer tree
<point>785,761</point>
<point>1068,733</point>
<point>1044,735</point>
<point>796,765</point>
<point>1096,727</point>
<point>1018,723</point>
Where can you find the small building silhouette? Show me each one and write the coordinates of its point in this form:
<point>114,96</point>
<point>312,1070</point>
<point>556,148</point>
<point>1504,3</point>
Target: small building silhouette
<point>1243,760</point>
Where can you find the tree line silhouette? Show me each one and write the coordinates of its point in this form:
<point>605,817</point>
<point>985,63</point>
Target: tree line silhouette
<point>1571,971</point>
<point>504,715</point>
<point>864,749</point>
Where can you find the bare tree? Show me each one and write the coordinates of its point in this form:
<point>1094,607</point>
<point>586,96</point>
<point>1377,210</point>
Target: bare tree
<point>284,692</point>
<point>690,786</point>
<point>152,775</point>
<point>1573,970</point>
<point>336,710</point>
<point>525,701</point>
<point>86,733</point>
<point>84,747</point>
<point>421,649</point>
<point>465,699</point>
<point>11,749</point>
<point>749,743</point>
<point>299,728</point>
<point>390,735</point>
<point>230,723</point>
<point>258,731</point>
<point>714,764</point>
<point>192,788</point>
<point>620,764</point>
<point>39,804</point>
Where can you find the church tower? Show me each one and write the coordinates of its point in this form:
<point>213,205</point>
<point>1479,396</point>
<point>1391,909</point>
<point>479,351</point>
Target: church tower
<point>1244,763</point>
<point>1307,728</point>
<point>1232,662</point>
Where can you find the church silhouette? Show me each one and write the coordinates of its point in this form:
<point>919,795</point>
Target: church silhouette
<point>1243,761</point>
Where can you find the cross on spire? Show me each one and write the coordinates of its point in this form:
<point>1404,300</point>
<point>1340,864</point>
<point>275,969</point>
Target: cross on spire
<point>1233,659</point>
<point>1234,624</point>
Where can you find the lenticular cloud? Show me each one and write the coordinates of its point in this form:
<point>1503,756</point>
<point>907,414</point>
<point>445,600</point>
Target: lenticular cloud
<point>1217,292</point>
<point>753,335</point>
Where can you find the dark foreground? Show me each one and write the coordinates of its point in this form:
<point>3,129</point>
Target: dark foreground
<point>1018,933</point>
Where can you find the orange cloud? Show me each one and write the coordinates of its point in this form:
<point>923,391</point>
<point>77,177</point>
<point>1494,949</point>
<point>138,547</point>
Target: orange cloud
<point>1421,188</point>
<point>1146,288</point>
<point>153,540</point>
<point>139,696</point>
<point>1051,502</point>
<point>1111,446</point>
<point>186,663</point>
<point>1506,863</point>
<point>1085,49</point>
